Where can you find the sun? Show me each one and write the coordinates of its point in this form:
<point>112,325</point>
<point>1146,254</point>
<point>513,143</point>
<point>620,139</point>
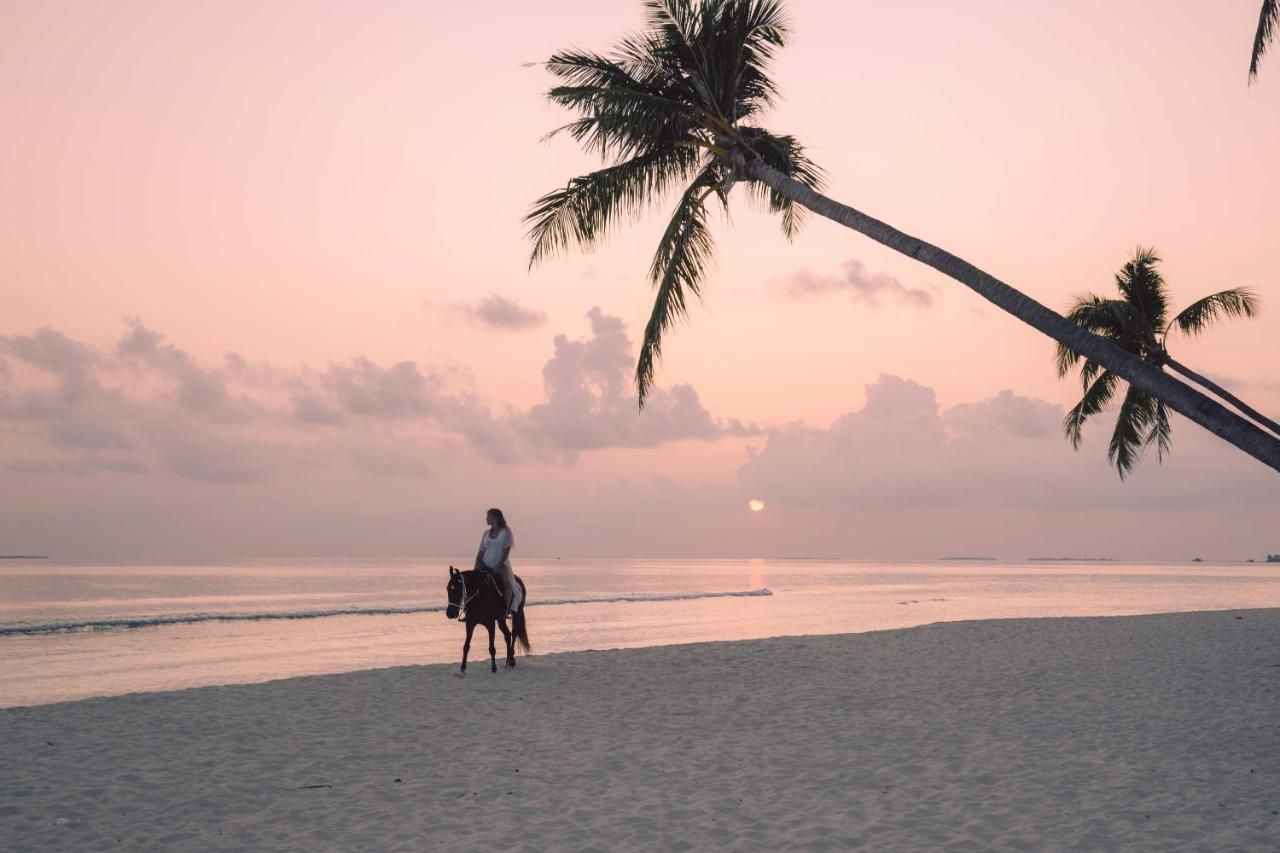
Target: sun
<point>755,504</point>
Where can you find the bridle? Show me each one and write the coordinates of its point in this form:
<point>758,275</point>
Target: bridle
<point>466,599</point>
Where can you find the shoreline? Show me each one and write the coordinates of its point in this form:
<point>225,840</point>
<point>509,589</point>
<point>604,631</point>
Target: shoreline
<point>426,659</point>
<point>1151,732</point>
<point>478,645</point>
<point>474,662</point>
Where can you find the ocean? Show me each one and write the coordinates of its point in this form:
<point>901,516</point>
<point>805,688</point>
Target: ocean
<point>74,631</point>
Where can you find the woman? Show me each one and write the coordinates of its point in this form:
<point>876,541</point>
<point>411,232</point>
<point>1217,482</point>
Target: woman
<point>495,551</point>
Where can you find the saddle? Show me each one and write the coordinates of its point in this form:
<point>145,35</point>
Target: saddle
<point>495,579</point>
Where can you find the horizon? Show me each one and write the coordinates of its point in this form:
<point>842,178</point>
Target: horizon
<point>285,560</point>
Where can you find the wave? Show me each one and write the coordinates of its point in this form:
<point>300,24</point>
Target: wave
<point>126,623</point>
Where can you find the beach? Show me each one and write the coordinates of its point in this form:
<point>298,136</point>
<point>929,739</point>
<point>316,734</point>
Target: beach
<point>1099,733</point>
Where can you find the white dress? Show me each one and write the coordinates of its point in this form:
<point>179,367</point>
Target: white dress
<point>491,548</point>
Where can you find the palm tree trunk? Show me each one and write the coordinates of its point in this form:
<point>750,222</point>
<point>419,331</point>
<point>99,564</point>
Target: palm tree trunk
<point>1224,394</point>
<point>1179,396</point>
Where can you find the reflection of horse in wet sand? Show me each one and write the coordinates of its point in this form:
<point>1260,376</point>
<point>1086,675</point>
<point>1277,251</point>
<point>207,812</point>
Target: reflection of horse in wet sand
<point>477,597</point>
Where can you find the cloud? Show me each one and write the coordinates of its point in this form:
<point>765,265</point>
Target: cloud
<point>198,389</point>
<point>493,437</point>
<point>863,285</point>
<point>1006,414</point>
<point>900,452</point>
<point>498,312</point>
<point>242,421</point>
<point>37,404</point>
<point>381,457</point>
<point>310,409</point>
<point>48,466</point>
<point>591,403</point>
<point>90,435</point>
<point>53,352</point>
<point>123,466</point>
<point>78,468</point>
<point>363,388</point>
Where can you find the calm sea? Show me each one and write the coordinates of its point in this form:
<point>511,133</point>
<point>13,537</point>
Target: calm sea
<point>72,631</point>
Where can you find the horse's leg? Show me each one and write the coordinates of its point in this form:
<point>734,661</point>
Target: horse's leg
<point>493,651</point>
<point>466,646</point>
<point>506,637</point>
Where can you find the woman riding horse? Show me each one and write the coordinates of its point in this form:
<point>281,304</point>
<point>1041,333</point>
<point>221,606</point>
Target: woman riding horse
<point>475,598</point>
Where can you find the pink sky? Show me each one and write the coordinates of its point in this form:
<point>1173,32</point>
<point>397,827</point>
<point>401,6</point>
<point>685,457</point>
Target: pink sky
<point>334,193</point>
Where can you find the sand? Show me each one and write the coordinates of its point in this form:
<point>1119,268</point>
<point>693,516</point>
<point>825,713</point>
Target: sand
<point>1156,733</point>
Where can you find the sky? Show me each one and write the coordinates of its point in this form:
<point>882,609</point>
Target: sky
<point>266,292</point>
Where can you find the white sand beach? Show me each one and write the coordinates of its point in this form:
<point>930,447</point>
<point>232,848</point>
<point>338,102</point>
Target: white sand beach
<point>1132,733</point>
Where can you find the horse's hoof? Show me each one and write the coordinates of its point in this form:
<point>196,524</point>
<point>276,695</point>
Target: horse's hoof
<point>461,674</point>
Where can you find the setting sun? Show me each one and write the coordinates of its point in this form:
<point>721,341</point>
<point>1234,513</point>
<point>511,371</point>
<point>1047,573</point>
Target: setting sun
<point>755,504</point>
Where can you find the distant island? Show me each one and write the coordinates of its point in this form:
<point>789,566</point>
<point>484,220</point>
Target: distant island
<point>1273,558</point>
<point>1070,560</point>
<point>23,557</point>
<point>974,559</point>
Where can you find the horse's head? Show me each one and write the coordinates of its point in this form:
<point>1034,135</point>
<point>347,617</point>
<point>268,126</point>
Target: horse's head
<point>457,593</point>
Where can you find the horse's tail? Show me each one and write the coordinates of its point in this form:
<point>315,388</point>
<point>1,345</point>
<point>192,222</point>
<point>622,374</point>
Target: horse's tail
<point>518,626</point>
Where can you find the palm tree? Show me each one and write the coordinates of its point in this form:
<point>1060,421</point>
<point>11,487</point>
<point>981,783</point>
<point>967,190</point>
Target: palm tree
<point>1138,323</point>
<point>1268,20</point>
<point>677,106</point>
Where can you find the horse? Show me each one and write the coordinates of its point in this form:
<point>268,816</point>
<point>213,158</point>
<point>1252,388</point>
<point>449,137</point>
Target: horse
<point>476,597</point>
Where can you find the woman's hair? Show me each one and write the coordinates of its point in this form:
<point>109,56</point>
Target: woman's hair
<point>497,513</point>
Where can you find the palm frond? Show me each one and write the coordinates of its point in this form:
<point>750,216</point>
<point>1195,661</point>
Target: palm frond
<point>1099,315</point>
<point>628,103</point>
<point>619,124</point>
<point>1089,371</point>
<point>679,14</point>
<point>584,210</point>
<point>723,47</point>
<point>1236,302</point>
<point>1142,286</point>
<point>1095,399</point>
<point>676,24</point>
<point>1136,324</point>
<point>584,68</point>
<point>1133,422</point>
<point>1268,22</point>
<point>666,105</point>
<point>1107,318</point>
<point>786,155</point>
<point>647,56</point>
<point>740,38</point>
<point>1161,435</point>
<point>1066,359</point>
<point>684,253</point>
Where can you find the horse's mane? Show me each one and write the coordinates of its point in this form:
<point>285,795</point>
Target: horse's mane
<point>474,579</point>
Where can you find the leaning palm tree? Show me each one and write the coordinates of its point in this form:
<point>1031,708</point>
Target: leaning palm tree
<point>1268,21</point>
<point>676,108</point>
<point>1138,323</point>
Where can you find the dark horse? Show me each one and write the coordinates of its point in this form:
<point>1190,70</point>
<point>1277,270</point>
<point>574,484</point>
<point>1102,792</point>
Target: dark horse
<point>477,598</point>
